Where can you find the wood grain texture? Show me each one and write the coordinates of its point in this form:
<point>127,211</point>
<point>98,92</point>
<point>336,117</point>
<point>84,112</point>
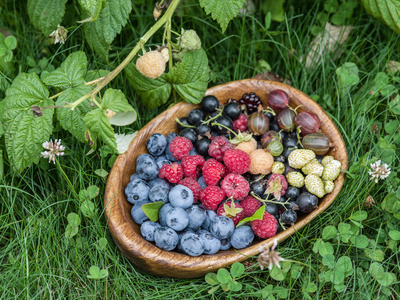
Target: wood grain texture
<point>153,260</point>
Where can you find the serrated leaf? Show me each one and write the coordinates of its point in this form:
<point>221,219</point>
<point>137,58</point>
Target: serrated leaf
<point>237,269</point>
<point>211,278</point>
<point>71,72</point>
<point>153,92</point>
<point>388,11</point>
<point>45,15</point>
<point>222,10</point>
<point>100,33</point>
<point>189,78</point>
<point>123,141</point>
<point>88,209</point>
<point>99,124</point>
<point>24,132</point>
<point>72,120</point>
<point>151,210</point>
<point>95,74</point>
<point>115,100</point>
<point>96,273</point>
<point>223,276</point>
<point>258,215</point>
<point>92,7</point>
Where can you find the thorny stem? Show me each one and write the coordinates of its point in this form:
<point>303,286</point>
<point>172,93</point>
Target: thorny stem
<point>164,19</point>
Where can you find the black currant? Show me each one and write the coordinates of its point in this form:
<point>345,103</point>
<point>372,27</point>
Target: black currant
<point>190,134</point>
<point>184,121</point>
<point>319,158</point>
<point>280,158</point>
<point>273,126</point>
<point>202,145</point>
<point>289,216</point>
<point>270,116</point>
<point>210,103</point>
<point>287,151</point>
<point>292,192</point>
<point>271,208</point>
<point>258,187</point>
<point>225,121</point>
<point>290,142</point>
<point>203,129</point>
<point>307,202</point>
<point>232,110</point>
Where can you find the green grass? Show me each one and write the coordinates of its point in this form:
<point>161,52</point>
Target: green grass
<point>38,262</point>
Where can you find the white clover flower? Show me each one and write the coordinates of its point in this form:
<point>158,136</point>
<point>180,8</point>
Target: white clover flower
<point>55,149</point>
<point>269,257</point>
<point>59,35</point>
<point>379,171</point>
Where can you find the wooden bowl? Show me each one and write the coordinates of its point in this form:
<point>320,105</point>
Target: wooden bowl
<point>145,255</point>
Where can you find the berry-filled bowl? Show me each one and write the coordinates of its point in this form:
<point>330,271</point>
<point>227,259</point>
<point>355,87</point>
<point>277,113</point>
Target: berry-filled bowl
<point>304,175</point>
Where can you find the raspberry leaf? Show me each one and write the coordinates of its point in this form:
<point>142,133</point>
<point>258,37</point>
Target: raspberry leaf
<point>154,92</point>
<point>24,132</point>
<point>45,15</point>
<point>222,10</point>
<point>100,33</point>
<point>99,126</point>
<point>258,215</point>
<point>151,210</point>
<point>92,7</point>
<point>387,11</point>
<point>72,120</point>
<point>189,78</point>
<point>115,101</point>
<point>71,72</point>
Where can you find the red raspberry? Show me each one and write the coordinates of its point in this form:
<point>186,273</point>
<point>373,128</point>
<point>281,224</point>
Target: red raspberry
<point>250,206</point>
<point>218,146</point>
<point>266,227</point>
<point>211,196</point>
<point>180,147</point>
<point>240,123</point>
<point>192,165</point>
<point>193,185</point>
<point>173,172</point>
<point>233,212</point>
<point>276,185</point>
<point>237,161</point>
<point>213,171</point>
<point>235,186</point>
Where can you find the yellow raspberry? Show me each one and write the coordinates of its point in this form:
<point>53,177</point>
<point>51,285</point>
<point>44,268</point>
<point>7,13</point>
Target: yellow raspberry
<point>151,64</point>
<point>248,146</point>
<point>261,162</point>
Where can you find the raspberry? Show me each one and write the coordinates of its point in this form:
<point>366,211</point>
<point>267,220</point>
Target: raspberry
<point>151,64</point>
<point>277,185</point>
<point>266,227</point>
<point>250,206</point>
<point>240,123</point>
<point>248,146</point>
<point>237,161</point>
<point>233,211</point>
<point>193,185</point>
<point>261,162</point>
<point>235,186</point>
<point>213,171</point>
<point>173,172</point>
<point>211,196</point>
<point>218,146</point>
<point>192,165</point>
<point>180,147</point>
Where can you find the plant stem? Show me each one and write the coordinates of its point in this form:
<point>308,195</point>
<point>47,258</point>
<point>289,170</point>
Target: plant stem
<point>164,19</point>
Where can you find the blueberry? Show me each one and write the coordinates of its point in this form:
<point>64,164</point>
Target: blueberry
<point>177,218</point>
<point>210,214</point>
<point>193,152</point>
<point>185,122</point>
<point>202,182</point>
<point>209,103</point>
<point>166,238</point>
<point>292,192</point>
<point>197,216</point>
<point>203,129</point>
<point>162,160</point>
<point>181,196</point>
<point>196,116</point>
<point>289,217</point>
<point>242,237</point>
<point>162,213</point>
<point>143,157</point>
<point>210,242</point>
<point>190,134</point>
<point>171,136</point>
<point>137,191</point>
<point>271,208</point>
<point>222,227</point>
<point>134,177</point>
<point>159,193</point>
<point>156,144</point>
<point>169,155</point>
<point>225,244</point>
<point>148,229</point>
<point>137,212</point>
<point>202,145</point>
<point>307,202</point>
<point>147,169</point>
<point>159,181</point>
<point>191,244</point>
<point>232,110</point>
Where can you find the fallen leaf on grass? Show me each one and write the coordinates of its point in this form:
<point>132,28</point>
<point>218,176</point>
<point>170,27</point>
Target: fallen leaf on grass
<point>329,40</point>
<point>369,201</point>
<point>392,66</point>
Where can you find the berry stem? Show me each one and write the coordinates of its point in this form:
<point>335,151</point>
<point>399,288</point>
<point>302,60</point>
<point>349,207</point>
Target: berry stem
<point>213,118</point>
<point>223,126</point>
<point>164,19</point>
<point>298,130</point>
<point>184,125</point>
<point>270,201</point>
<point>269,110</point>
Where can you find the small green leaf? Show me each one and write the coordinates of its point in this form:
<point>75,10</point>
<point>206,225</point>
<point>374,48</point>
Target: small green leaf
<point>88,209</point>
<point>277,274</point>
<point>123,118</point>
<point>395,235</point>
<point>101,172</point>
<point>275,8</point>
<point>91,192</point>
<point>222,10</point>
<point>123,141</point>
<point>212,290</point>
<point>115,100</point>
<point>103,243</point>
<point>344,264</point>
<point>344,230</point>
<point>329,232</point>
<point>360,241</point>
<point>325,248</point>
<point>151,210</point>
<point>317,244</point>
<point>189,78</point>
<point>360,215</point>
<point>329,261</point>
<point>73,219</point>
<point>223,276</point>
<point>99,124</point>
<point>258,215</point>
<point>391,126</point>
<point>376,270</point>
<point>338,276</point>
<point>71,72</point>
<point>237,269</point>
<point>96,273</point>
<point>296,271</point>
<point>234,286</point>
<point>394,105</point>
<point>267,21</point>
<point>281,292</point>
<point>71,231</point>
<point>311,287</point>
<point>211,278</point>
<point>10,42</point>
<point>398,193</point>
<point>45,15</point>
<point>376,255</point>
<point>95,74</point>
